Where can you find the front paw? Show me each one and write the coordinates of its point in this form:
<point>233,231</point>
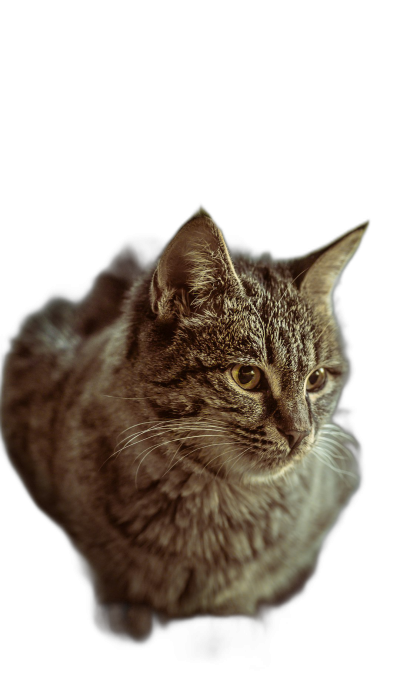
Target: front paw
<point>126,618</point>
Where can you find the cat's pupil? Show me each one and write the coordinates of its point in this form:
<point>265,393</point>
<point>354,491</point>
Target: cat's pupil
<point>314,377</point>
<point>246,374</point>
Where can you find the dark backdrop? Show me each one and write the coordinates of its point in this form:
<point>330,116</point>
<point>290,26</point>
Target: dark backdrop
<point>78,190</point>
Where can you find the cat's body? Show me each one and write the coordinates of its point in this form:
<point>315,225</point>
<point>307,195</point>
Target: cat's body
<point>220,496</point>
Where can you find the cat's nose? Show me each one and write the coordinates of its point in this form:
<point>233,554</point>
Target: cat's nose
<point>294,437</point>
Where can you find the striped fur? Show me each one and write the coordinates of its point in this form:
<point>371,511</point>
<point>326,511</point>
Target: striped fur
<point>179,487</point>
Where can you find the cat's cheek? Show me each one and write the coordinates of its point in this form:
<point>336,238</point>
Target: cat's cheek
<point>329,392</point>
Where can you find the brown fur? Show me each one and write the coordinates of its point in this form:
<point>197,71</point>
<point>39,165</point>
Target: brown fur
<point>178,486</point>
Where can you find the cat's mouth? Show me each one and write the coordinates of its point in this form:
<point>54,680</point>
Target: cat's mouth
<point>246,453</point>
<point>270,449</point>
<point>267,459</point>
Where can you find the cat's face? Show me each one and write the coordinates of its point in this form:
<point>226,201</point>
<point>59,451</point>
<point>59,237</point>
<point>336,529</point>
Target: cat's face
<point>246,363</point>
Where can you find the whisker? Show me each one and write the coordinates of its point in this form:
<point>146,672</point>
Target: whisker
<point>218,455</point>
<point>132,438</point>
<point>163,432</point>
<point>320,456</point>
<point>225,461</point>
<point>146,422</point>
<point>333,430</point>
<point>325,448</point>
<point>236,459</point>
<point>177,451</point>
<point>164,422</point>
<point>150,449</point>
<point>326,444</point>
<point>179,426</point>
<point>327,453</point>
<point>203,446</point>
<point>232,460</point>
<point>160,429</point>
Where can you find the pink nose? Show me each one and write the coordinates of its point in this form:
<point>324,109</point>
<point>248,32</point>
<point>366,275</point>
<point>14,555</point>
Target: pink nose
<point>294,437</point>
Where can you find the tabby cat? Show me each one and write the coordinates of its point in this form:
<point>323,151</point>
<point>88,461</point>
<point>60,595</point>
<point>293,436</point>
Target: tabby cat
<point>177,424</point>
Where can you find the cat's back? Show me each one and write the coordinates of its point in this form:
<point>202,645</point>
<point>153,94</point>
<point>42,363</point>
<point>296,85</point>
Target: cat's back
<point>39,364</point>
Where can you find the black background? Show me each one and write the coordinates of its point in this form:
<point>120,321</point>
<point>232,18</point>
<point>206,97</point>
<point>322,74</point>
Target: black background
<point>87,173</point>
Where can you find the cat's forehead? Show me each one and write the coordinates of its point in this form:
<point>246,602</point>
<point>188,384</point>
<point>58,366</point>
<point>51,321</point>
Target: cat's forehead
<point>270,325</point>
<point>288,321</point>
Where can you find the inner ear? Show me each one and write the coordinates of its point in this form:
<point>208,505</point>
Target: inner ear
<point>316,274</point>
<point>184,300</point>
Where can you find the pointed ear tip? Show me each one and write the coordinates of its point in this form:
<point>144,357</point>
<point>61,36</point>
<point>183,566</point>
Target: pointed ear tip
<point>363,227</point>
<point>359,231</point>
<point>201,213</point>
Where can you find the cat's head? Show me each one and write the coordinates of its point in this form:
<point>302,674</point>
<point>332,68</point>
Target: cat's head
<point>242,359</point>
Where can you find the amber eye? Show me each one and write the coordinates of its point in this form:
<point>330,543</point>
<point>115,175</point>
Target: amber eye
<point>316,380</point>
<point>247,377</point>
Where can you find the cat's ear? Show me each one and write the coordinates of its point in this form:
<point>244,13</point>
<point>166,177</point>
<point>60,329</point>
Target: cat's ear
<point>316,274</point>
<point>194,267</point>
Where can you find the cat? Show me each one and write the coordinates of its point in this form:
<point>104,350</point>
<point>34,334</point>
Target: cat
<point>177,424</point>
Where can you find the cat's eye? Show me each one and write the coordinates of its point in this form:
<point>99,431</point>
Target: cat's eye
<point>316,380</point>
<point>247,377</point>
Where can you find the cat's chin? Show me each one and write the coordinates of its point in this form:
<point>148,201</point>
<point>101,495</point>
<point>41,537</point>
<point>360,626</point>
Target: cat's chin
<point>251,477</point>
<point>262,474</point>
<point>263,478</point>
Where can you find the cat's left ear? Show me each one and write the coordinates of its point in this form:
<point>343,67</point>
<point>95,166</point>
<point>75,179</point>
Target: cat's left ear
<point>194,269</point>
<point>316,274</point>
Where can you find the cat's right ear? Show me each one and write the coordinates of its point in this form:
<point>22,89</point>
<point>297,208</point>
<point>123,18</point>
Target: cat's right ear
<point>316,274</point>
<point>194,268</point>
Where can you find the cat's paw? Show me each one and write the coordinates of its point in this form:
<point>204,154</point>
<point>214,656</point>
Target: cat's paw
<point>125,618</point>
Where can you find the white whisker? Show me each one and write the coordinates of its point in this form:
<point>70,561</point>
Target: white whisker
<point>327,449</point>
<point>170,441</point>
<point>322,458</point>
<point>337,432</point>
<point>177,451</point>
<point>181,425</point>
<point>164,422</point>
<point>131,438</point>
<point>218,455</point>
<point>236,459</point>
<point>203,446</point>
